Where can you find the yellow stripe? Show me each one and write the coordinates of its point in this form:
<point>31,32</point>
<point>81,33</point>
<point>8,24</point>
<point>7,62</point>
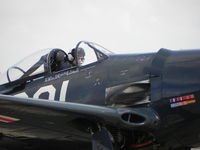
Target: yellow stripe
<point>191,101</point>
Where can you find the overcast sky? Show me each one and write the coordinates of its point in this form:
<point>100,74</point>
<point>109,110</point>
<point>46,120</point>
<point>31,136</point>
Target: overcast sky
<point>122,26</point>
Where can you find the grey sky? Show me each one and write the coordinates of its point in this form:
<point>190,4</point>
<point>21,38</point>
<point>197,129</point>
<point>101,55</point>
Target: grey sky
<point>122,26</point>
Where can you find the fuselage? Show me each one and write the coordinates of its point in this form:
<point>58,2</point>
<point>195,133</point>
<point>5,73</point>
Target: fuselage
<point>90,84</point>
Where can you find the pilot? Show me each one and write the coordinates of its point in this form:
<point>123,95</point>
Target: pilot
<point>76,57</point>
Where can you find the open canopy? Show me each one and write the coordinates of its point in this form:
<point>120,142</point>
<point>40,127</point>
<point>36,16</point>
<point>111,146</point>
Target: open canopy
<point>40,62</point>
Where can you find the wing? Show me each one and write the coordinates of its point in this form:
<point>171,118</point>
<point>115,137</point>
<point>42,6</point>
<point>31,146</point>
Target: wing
<point>30,117</point>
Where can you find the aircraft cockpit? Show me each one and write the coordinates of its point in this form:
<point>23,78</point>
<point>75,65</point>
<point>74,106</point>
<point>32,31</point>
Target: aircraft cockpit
<point>45,62</point>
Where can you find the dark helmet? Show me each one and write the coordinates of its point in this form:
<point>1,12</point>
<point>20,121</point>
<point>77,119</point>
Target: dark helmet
<point>79,52</point>
<point>78,55</point>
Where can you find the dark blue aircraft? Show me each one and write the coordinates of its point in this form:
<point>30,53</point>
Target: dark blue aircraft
<point>102,101</point>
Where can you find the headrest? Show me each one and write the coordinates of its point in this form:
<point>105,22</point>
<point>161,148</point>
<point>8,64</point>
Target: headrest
<point>60,56</point>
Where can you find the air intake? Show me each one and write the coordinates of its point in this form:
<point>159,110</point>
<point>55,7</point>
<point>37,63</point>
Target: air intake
<point>133,118</point>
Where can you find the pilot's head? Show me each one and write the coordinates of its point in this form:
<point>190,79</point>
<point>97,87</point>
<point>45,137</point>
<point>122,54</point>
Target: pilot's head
<point>78,56</point>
